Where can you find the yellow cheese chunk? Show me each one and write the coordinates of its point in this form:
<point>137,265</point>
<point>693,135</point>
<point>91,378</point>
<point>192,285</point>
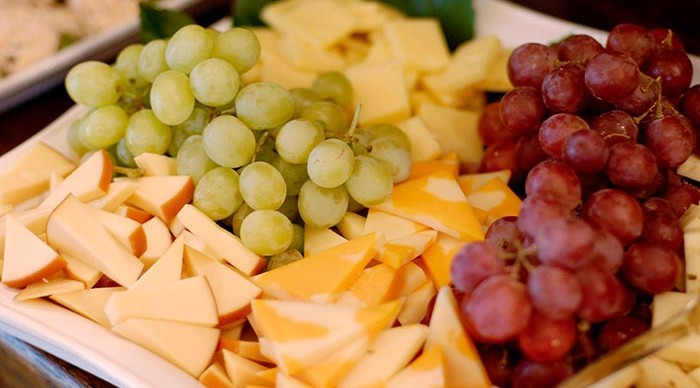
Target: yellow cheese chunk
<point>77,270</point>
<point>215,377</point>
<point>321,277</point>
<point>419,43</point>
<point>400,250</point>
<point>463,367</point>
<point>472,182</point>
<point>437,201</point>
<point>690,168</point>
<point>242,371</point>
<point>438,258</point>
<point>352,225</point>
<point>330,371</point>
<point>168,268</point>
<point>415,306</point>
<point>382,90</point>
<point>246,349</point>
<point>448,163</point>
<point>428,370</point>
<point>192,351</point>
<point>158,240</point>
<point>375,285</point>
<point>300,334</point>
<point>495,198</point>
<point>46,287</point>
<point>390,225</point>
<point>162,196</point>
<point>89,303</point>
<point>320,239</point>
<point>456,131</point>
<point>496,79</point>
<point>308,57</point>
<point>155,164</point>
<point>128,232</point>
<point>117,193</point>
<point>424,146</point>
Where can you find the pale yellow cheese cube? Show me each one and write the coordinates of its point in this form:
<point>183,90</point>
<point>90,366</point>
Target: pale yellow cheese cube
<point>456,131</point>
<point>419,43</point>
<point>497,77</point>
<point>307,57</point>
<point>424,146</point>
<point>274,66</point>
<point>379,50</point>
<point>371,15</point>
<point>322,23</point>
<point>382,91</point>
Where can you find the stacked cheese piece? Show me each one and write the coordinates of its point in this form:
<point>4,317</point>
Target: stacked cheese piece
<point>400,68</point>
<point>133,255</point>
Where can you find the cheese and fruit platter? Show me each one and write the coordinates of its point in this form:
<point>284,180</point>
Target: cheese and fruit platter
<point>344,197</point>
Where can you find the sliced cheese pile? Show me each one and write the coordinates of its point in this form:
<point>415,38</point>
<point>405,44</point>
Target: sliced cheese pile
<point>400,68</point>
<point>133,255</point>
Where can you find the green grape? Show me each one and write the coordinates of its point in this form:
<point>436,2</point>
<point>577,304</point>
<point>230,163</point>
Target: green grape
<point>294,174</point>
<point>322,207</point>
<point>172,100</point>
<point>303,97</point>
<point>217,193</point>
<point>296,139</point>
<point>124,157</point>
<point>330,163</point>
<point>194,125</point>
<point>192,160</point>
<point>298,240</point>
<point>152,59</point>
<point>145,133</point>
<point>290,208</point>
<point>127,66</point>
<point>354,206</point>
<point>281,259</point>
<point>262,186</point>
<point>264,105</point>
<point>75,131</point>
<point>228,141</point>
<point>239,47</point>
<point>105,126</point>
<point>238,216</point>
<point>214,82</point>
<point>389,131</point>
<point>393,155</point>
<point>267,232</point>
<point>178,137</point>
<point>329,114</point>
<point>190,45</point>
<point>370,182</point>
<point>334,86</point>
<point>93,84</point>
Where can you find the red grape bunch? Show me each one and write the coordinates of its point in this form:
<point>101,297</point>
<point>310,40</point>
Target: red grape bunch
<point>593,136</point>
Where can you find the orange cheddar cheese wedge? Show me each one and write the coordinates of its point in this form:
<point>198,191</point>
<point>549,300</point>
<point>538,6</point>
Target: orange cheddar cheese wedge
<point>463,367</point>
<point>298,335</point>
<point>215,377</point>
<point>375,285</point>
<point>426,371</point>
<point>323,276</point>
<point>242,371</point>
<point>435,200</point>
<point>438,258</point>
<point>495,198</point>
<point>448,163</point>
<point>398,251</point>
<point>330,371</point>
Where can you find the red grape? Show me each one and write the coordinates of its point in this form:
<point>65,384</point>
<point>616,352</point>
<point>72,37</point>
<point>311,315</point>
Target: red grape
<point>566,242</point>
<point>547,340</point>
<point>522,110</point>
<point>603,295</point>
<point>563,89</point>
<point>499,364</point>
<point>490,127</point>
<point>499,156</point>
<point>645,95</point>
<point>690,105</point>
<point>681,197</point>
<point>529,63</point>
<point>662,228</point>
<point>531,374</point>
<point>504,233</point>
<point>578,48</point>
<point>536,211</point>
<point>556,128</point>
<point>473,263</point>
<point>498,309</point>
<point>617,331</point>
<point>650,267</point>
<point>666,39</point>
<point>554,179</point>
<point>633,40</point>
<point>674,68</point>
<point>554,291</point>
<point>615,211</point>
<point>671,139</point>
<point>585,151</point>
<point>631,165</point>
<point>615,126</point>
<point>528,152</point>
<point>660,204</point>
<point>611,76</point>
<point>607,251</point>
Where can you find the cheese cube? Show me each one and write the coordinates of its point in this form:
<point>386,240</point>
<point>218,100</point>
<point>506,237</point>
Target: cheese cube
<point>307,57</point>
<point>382,90</point>
<point>424,146</point>
<point>419,43</point>
<point>456,131</point>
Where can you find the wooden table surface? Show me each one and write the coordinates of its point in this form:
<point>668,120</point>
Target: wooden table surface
<point>22,365</point>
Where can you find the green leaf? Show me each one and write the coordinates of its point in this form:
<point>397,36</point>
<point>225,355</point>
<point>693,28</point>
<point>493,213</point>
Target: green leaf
<point>158,23</point>
<point>247,12</point>
<point>456,16</point>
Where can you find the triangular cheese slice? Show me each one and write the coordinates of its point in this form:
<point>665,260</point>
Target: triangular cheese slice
<point>128,232</point>
<point>330,371</point>
<point>232,291</point>
<point>168,268</point>
<point>351,226</point>
<point>26,258</point>
<point>158,240</point>
<point>392,226</point>
<point>415,306</point>
<point>89,303</point>
<point>301,334</point>
<point>162,196</point>
<point>215,377</point>
<point>188,300</point>
<point>463,366</point>
<point>46,287</point>
<point>323,276</point>
<point>89,181</point>
<point>438,258</point>
<point>401,250</point>
<point>34,219</point>
<point>435,200</point>
<point>118,192</point>
<point>427,371</point>
<point>320,239</point>
<point>496,198</point>
<point>241,370</point>
<point>391,351</point>
<point>156,164</point>
<point>472,182</point>
<point>189,347</point>
<point>448,163</point>
<point>78,270</point>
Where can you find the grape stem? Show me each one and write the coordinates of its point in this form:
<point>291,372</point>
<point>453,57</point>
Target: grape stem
<point>261,142</point>
<point>521,257</point>
<point>128,172</point>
